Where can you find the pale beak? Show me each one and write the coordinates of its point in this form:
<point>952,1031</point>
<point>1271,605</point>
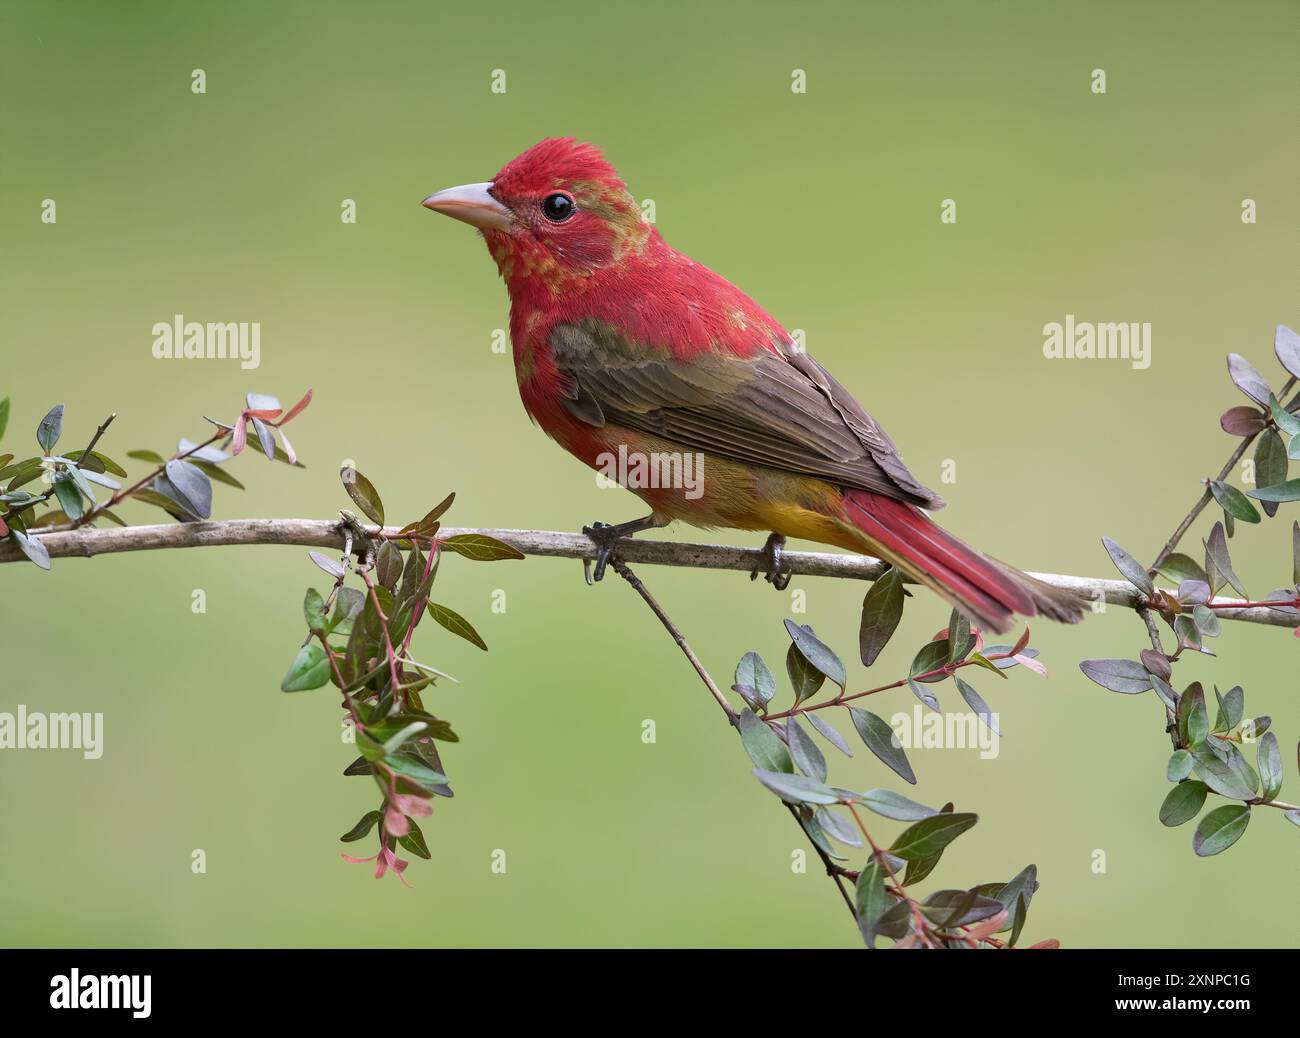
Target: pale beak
<point>472,204</point>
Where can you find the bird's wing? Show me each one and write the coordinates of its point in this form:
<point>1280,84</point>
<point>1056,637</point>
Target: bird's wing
<point>782,410</point>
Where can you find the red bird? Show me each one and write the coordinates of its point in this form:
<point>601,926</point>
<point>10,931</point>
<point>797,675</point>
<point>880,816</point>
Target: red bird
<point>625,348</point>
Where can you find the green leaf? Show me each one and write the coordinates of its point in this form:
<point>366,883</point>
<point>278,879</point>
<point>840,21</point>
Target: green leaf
<point>1269,759</point>
<point>1233,778</point>
<point>977,704</point>
<point>1219,559</point>
<point>348,603</point>
<point>838,827</point>
<point>1126,676</point>
<point>105,463</point>
<point>928,698</point>
<point>871,900</point>
<point>313,610</point>
<point>362,827</point>
<point>960,639</point>
<point>363,492</point>
<point>763,745</point>
<point>4,415</point>
<point>1179,766</point>
<point>455,623</point>
<point>1206,621</point>
<point>919,869</point>
<point>829,733</point>
<point>1270,463</point>
<point>812,827</point>
<point>69,496</point>
<point>1233,501</point>
<point>394,742</point>
<point>192,488</point>
<point>882,608</point>
<point>894,805</point>
<point>1015,898</point>
<point>413,841</point>
<point>805,679</point>
<point>1220,829</point>
<point>753,674</point>
<point>1231,708</point>
<point>152,457</point>
<point>1179,567</point>
<point>32,548</point>
<point>1183,802</point>
<point>1287,491</point>
<point>388,564</point>
<point>796,789</point>
<point>931,835</point>
<point>879,738</point>
<point>816,652</point>
<point>51,427</point>
<point>479,547</point>
<point>807,754</point>
<point>950,908</point>
<point>896,922</point>
<point>1132,570</point>
<point>1198,721</point>
<point>415,771</point>
<point>310,669</point>
<point>932,656</point>
<point>1295,553</point>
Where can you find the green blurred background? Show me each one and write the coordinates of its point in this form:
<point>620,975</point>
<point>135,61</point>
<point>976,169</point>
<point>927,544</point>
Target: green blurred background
<point>825,207</point>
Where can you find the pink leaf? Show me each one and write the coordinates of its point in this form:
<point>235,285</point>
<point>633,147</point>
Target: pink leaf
<point>395,821</point>
<point>288,447</point>
<point>241,435</point>
<point>296,409</point>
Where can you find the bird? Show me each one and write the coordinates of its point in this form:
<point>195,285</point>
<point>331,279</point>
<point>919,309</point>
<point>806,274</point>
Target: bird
<point>626,348</point>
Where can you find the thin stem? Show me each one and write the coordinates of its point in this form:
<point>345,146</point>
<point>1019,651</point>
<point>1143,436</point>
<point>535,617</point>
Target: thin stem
<point>621,568</point>
<point>1208,495</point>
<point>922,927</point>
<point>121,495</point>
<point>79,463</point>
<point>393,666</point>
<point>832,870</point>
<point>841,699</point>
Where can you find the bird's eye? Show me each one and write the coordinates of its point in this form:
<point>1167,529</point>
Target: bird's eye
<point>557,207</point>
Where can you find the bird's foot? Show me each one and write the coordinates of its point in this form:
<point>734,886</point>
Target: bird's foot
<point>772,552</point>
<point>605,536</point>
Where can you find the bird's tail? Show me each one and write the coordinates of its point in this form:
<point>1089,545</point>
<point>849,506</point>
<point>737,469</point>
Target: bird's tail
<point>988,592</point>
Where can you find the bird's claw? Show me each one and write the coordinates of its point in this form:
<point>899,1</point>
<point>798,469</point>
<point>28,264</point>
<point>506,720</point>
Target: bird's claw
<point>772,552</point>
<point>605,536</point>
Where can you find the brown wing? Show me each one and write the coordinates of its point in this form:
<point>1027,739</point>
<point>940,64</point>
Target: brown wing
<point>785,412</point>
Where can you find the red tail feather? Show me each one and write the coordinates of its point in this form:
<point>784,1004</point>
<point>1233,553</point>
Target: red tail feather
<point>904,535</point>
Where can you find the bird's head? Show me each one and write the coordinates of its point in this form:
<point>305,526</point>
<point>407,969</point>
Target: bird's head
<point>556,212</point>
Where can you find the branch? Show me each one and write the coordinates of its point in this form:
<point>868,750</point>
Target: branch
<point>1207,495</point>
<point>320,533</point>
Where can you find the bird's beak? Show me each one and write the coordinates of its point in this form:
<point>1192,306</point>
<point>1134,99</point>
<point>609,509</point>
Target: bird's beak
<point>472,204</point>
